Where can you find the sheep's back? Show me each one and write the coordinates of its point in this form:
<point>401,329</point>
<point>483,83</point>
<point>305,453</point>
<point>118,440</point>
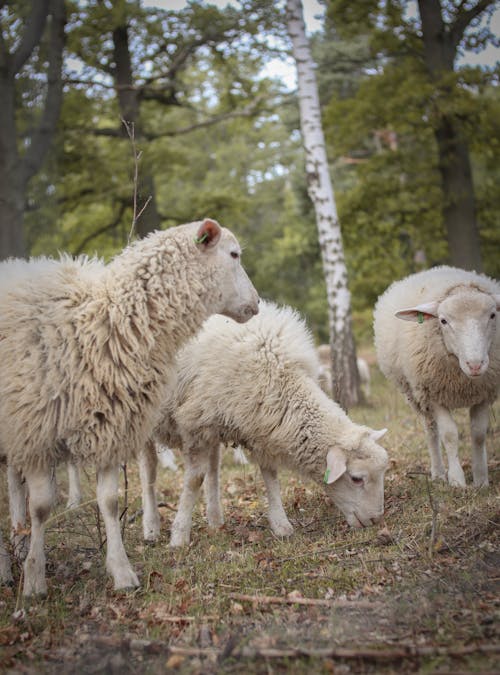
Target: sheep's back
<point>235,376</point>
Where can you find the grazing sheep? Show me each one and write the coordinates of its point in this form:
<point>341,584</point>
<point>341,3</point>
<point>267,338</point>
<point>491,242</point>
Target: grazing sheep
<point>96,345</point>
<point>325,371</point>
<point>444,355</point>
<point>257,386</point>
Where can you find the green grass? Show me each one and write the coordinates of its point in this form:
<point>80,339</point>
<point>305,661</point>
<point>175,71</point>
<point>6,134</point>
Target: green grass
<point>427,583</point>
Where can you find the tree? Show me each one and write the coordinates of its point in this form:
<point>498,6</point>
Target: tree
<point>441,41</point>
<point>148,56</point>
<point>26,57</point>
<point>418,60</point>
<point>344,371</point>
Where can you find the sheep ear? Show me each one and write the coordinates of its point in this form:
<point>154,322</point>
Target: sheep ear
<point>208,234</point>
<point>419,313</point>
<point>376,435</point>
<point>335,465</point>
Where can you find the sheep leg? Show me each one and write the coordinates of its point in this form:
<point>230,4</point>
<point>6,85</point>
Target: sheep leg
<point>5,570</point>
<point>448,433</point>
<point>278,520</point>
<point>211,487</point>
<point>117,563</point>
<point>74,486</point>
<point>194,473</point>
<point>438,470</point>
<point>148,464</point>
<point>41,499</point>
<point>479,420</point>
<point>17,508</point>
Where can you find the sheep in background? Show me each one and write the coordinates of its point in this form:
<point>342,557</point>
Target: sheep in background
<point>325,371</point>
<point>96,344</point>
<point>445,354</point>
<point>257,386</point>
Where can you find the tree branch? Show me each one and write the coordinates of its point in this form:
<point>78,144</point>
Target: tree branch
<point>464,18</point>
<point>105,228</point>
<point>234,114</point>
<point>33,31</point>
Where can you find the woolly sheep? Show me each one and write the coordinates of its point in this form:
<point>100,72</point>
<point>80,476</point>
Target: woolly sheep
<point>96,344</point>
<point>444,355</point>
<point>325,371</point>
<point>256,385</point>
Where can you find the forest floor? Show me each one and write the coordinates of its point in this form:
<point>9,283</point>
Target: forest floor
<point>419,593</point>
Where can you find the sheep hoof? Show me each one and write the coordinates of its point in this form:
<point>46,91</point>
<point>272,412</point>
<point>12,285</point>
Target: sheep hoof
<point>126,580</point>
<point>179,539</point>
<point>456,478</point>
<point>35,589</point>
<point>282,529</point>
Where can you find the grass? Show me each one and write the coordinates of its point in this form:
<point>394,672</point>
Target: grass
<point>418,595</point>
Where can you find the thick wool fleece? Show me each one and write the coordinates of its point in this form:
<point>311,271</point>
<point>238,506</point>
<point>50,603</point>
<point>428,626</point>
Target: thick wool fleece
<point>414,355</point>
<point>85,349</point>
<point>256,385</point>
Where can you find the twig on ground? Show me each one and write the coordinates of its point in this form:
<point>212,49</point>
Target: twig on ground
<point>298,600</point>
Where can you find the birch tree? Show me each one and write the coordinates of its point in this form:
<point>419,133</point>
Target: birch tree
<point>344,372</point>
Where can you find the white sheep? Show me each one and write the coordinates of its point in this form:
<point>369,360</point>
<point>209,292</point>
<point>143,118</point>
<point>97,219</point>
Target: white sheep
<point>85,353</point>
<point>444,355</point>
<point>256,385</point>
<point>325,371</point>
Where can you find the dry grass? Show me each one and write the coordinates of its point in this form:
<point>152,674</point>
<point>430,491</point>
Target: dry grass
<point>420,595</point>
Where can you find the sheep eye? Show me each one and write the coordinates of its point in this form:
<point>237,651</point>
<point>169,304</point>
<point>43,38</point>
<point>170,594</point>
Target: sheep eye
<point>444,322</point>
<point>235,255</point>
<point>357,480</point>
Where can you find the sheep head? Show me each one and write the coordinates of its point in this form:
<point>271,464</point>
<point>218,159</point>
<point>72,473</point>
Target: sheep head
<point>354,479</point>
<point>467,320</point>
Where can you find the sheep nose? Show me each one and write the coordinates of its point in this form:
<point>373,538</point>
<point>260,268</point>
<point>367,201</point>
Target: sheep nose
<point>475,367</point>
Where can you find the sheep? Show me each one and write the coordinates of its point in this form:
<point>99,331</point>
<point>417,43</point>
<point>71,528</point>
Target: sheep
<point>436,339</point>
<point>86,350</point>
<point>256,385</point>
<point>325,371</point>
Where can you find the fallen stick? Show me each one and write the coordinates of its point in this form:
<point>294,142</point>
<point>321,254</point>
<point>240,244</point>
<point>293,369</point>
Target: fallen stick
<point>367,653</point>
<point>292,600</point>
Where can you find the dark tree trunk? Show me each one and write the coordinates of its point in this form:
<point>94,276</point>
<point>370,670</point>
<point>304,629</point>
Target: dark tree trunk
<point>129,104</point>
<point>17,169</point>
<point>440,42</point>
<point>11,188</point>
<point>458,192</point>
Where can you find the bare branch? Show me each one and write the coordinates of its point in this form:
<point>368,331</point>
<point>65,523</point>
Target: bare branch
<point>130,129</point>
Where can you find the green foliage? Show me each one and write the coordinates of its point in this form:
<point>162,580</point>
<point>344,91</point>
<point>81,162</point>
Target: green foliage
<point>221,141</point>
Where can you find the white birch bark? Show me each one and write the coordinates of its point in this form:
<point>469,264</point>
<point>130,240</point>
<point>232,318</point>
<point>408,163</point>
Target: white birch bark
<point>344,373</point>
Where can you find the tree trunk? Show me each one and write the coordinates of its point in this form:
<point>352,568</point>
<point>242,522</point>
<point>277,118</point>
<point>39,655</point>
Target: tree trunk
<point>12,198</point>
<point>129,104</point>
<point>440,42</point>
<point>15,169</point>
<point>458,192</point>
<point>345,378</point>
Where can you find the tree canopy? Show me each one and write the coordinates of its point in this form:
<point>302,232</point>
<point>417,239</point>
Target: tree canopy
<point>218,138</point>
